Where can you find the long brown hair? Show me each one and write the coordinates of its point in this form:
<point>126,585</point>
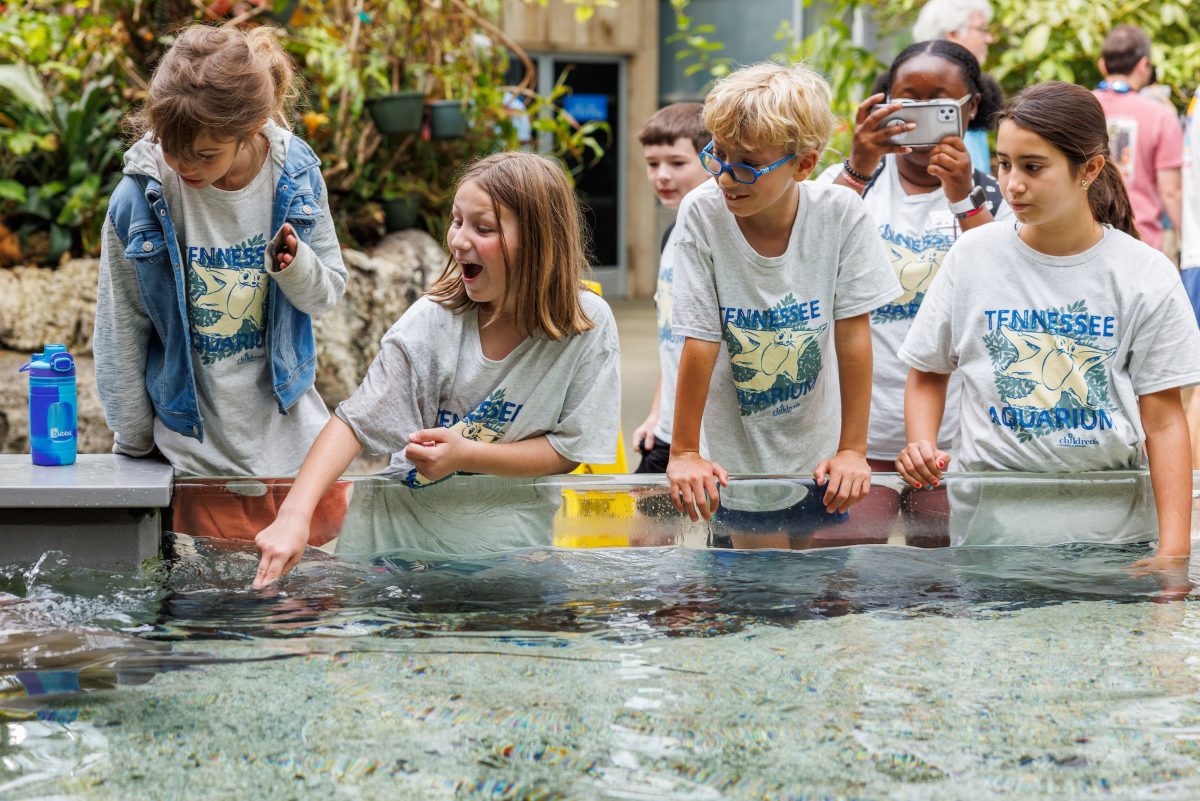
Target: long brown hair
<point>548,268</point>
<point>224,80</point>
<point>1071,119</point>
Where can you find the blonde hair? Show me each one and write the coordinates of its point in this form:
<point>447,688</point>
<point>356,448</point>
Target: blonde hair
<point>771,105</point>
<point>223,80</point>
<point>548,267</point>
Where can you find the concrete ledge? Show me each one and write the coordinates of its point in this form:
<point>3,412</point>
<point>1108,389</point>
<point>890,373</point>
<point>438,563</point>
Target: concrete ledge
<point>97,480</point>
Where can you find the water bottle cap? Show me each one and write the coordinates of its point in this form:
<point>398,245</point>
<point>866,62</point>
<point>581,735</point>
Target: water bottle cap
<point>62,363</point>
<point>53,349</point>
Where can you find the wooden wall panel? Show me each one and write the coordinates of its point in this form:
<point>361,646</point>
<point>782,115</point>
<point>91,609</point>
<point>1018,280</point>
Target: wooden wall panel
<point>631,30</point>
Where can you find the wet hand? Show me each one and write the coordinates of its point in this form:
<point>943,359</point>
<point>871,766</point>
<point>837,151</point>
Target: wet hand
<point>694,482</point>
<point>846,479</point>
<point>1170,571</point>
<point>281,545</point>
<point>922,464</point>
<point>285,250</point>
<point>950,163</point>
<point>872,139</point>
<point>436,452</point>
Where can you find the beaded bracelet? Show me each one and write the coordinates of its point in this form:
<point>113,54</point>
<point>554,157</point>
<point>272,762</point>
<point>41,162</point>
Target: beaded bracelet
<point>855,174</point>
<point>855,184</point>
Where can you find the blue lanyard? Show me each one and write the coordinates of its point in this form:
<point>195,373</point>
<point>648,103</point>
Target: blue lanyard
<point>1120,87</point>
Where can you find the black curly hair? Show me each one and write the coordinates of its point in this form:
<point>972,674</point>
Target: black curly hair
<point>991,98</point>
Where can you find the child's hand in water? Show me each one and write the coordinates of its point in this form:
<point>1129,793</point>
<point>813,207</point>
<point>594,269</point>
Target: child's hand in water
<point>281,545</point>
<point>437,452</point>
<point>921,464</point>
<point>1171,572</point>
<point>285,247</point>
<point>846,479</point>
<point>694,484</point>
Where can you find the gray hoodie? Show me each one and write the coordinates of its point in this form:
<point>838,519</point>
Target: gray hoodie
<point>224,241</point>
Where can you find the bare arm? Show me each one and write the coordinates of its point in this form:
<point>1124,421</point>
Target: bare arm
<point>846,475</point>
<point>525,459</point>
<point>691,393</point>
<point>1169,449</point>
<point>921,463</point>
<point>645,432</point>
<point>282,543</point>
<point>1170,192</point>
<point>693,487</point>
<point>852,340</point>
<point>440,452</point>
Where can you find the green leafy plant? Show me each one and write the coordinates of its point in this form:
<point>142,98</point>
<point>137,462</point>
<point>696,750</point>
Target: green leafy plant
<point>60,116</point>
<point>1036,40</point>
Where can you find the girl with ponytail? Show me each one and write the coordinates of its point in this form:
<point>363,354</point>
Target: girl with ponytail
<point>1072,337</point>
<point>218,250</point>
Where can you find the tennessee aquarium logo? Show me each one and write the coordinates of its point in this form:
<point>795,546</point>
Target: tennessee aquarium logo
<point>1049,372</point>
<point>775,353</point>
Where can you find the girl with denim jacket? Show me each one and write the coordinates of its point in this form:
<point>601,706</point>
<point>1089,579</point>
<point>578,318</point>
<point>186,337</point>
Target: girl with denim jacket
<point>218,250</point>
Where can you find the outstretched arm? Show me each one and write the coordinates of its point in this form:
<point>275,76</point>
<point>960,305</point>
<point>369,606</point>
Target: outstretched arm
<point>282,543</point>
<point>1169,449</point>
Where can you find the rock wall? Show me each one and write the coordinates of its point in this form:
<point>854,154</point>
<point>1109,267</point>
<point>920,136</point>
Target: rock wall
<point>40,306</point>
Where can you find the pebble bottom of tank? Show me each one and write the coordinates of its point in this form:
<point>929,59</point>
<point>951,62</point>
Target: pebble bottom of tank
<point>866,673</point>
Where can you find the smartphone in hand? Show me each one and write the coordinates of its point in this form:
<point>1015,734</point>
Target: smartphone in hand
<point>935,120</point>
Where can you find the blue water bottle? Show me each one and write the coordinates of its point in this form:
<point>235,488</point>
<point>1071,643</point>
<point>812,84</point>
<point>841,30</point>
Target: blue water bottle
<point>52,415</point>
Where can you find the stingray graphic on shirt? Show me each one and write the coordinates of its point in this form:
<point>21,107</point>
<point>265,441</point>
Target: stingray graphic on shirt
<point>915,261</point>
<point>237,294</point>
<point>227,293</point>
<point>481,425</point>
<point>770,354</point>
<point>1055,363</point>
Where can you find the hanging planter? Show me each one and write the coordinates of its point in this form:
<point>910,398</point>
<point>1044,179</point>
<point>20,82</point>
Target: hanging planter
<point>398,113</point>
<point>447,120</point>
<point>401,213</point>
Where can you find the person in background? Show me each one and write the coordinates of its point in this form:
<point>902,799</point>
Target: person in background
<point>966,23</point>
<point>922,200</point>
<point>671,141</point>
<point>1144,136</point>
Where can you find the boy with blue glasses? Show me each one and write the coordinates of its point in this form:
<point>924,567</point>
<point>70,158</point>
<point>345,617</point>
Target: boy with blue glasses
<point>775,278</point>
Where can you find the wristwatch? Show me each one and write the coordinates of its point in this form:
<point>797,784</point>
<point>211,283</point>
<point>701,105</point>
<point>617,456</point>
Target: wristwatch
<point>971,205</point>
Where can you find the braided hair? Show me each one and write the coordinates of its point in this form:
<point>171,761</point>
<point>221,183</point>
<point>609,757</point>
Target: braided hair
<point>991,98</point>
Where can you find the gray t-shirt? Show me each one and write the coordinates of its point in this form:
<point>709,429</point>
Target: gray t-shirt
<point>774,400</point>
<point>917,231</point>
<point>1054,351</point>
<point>223,237</point>
<point>670,344</point>
<point>431,371</point>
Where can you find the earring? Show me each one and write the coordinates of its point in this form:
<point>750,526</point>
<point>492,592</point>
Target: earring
<point>1084,184</point>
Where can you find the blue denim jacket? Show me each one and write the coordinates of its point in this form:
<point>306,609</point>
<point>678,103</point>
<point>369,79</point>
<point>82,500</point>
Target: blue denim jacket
<point>140,218</point>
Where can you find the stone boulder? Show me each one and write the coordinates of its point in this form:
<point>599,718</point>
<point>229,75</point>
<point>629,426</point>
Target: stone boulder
<point>383,283</point>
<point>40,306</point>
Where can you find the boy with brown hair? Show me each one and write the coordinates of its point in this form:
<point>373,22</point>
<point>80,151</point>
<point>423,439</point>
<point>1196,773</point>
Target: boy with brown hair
<point>672,139</point>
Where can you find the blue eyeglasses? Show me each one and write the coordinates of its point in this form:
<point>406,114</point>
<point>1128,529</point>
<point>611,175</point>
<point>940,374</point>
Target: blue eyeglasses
<point>742,173</point>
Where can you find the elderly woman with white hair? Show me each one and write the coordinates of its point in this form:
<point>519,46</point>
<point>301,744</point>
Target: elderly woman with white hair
<point>964,22</point>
